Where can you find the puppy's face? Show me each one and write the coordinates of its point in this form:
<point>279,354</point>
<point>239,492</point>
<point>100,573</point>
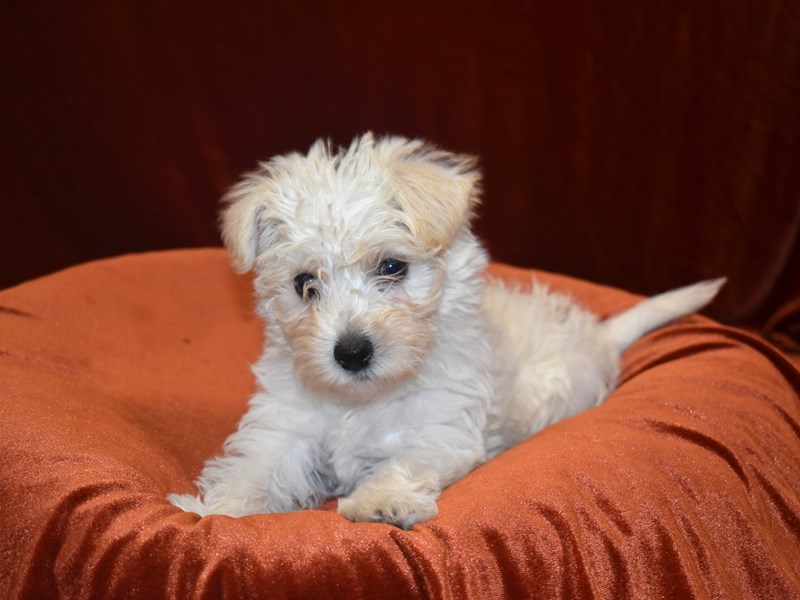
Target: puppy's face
<point>349,249</point>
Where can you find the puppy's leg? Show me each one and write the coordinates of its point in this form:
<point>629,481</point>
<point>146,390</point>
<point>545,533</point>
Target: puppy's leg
<point>262,471</point>
<point>405,490</point>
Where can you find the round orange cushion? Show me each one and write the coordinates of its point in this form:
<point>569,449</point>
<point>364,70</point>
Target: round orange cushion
<point>118,378</point>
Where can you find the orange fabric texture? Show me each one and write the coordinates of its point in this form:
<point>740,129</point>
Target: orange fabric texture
<point>120,377</point>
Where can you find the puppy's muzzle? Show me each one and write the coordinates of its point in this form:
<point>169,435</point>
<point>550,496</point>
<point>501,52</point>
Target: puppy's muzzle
<point>353,352</point>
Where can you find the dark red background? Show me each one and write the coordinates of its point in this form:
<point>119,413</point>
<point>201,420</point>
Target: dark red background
<point>639,144</point>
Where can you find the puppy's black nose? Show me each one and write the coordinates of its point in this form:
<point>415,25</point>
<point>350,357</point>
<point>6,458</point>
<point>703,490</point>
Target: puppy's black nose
<point>353,352</point>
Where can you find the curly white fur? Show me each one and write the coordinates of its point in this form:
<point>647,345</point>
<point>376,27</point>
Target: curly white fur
<point>455,368</point>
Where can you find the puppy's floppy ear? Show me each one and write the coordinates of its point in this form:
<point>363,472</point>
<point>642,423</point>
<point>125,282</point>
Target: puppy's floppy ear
<point>245,232</point>
<point>437,191</point>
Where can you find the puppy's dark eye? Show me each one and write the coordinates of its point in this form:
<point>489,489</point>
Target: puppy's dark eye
<point>391,267</point>
<point>304,286</point>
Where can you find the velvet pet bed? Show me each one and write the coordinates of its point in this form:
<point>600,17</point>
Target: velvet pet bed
<point>118,378</point>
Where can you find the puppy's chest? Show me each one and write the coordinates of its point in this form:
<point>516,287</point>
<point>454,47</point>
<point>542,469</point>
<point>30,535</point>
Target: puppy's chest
<point>356,448</point>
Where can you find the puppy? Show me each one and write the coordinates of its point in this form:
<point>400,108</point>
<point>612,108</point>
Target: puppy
<point>392,366</point>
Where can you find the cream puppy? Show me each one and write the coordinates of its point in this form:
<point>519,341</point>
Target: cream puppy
<point>392,366</point>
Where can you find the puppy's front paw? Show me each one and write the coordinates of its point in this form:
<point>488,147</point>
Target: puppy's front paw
<point>402,511</point>
<point>392,498</point>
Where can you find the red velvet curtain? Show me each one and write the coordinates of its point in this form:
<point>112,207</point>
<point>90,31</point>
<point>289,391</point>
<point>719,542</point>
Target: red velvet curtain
<point>642,145</point>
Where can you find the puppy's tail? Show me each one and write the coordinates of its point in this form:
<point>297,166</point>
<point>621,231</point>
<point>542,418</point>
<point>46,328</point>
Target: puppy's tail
<point>627,327</point>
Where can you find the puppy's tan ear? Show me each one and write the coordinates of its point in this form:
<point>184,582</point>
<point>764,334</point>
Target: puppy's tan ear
<point>245,232</point>
<point>437,191</point>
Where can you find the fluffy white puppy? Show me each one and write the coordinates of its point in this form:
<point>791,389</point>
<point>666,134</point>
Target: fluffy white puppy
<point>392,366</point>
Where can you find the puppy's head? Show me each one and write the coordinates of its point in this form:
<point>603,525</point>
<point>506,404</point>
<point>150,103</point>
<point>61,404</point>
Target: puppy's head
<point>351,250</point>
